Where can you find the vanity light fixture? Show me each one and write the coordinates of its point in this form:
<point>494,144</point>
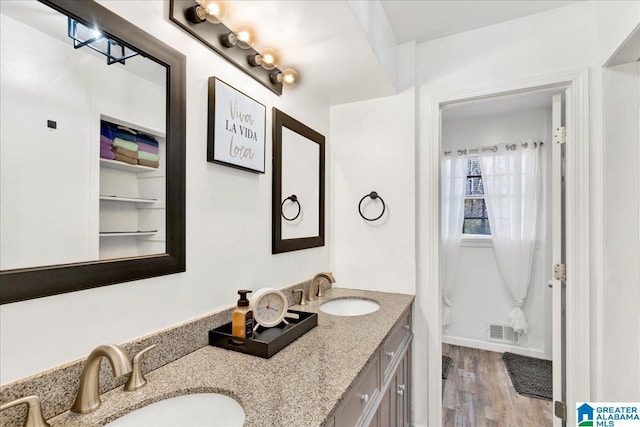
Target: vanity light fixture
<point>82,35</point>
<point>261,64</point>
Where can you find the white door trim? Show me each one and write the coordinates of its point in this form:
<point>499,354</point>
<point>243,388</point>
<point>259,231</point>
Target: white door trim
<point>428,295</point>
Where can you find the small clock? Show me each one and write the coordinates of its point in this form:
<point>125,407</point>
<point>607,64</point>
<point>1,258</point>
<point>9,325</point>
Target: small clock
<point>269,307</point>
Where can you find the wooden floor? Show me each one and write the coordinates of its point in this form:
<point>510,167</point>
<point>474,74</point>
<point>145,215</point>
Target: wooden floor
<point>479,393</point>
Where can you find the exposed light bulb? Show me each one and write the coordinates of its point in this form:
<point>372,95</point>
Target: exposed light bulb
<point>269,58</point>
<point>216,10</point>
<point>288,77</point>
<point>96,33</point>
<point>245,35</point>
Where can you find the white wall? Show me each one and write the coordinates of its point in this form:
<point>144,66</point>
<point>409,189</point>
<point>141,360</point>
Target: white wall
<point>228,217</point>
<point>622,232</point>
<point>566,39</point>
<point>479,296</point>
<point>372,150</point>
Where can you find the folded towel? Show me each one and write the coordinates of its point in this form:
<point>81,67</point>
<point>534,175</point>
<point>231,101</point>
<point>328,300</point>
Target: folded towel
<point>106,153</point>
<point>125,152</point>
<point>127,136</point>
<point>149,139</point>
<point>118,142</point>
<point>108,129</point>
<point>148,156</point>
<point>149,163</point>
<point>129,130</point>
<point>125,159</point>
<point>106,146</point>
<point>148,148</point>
<point>105,140</point>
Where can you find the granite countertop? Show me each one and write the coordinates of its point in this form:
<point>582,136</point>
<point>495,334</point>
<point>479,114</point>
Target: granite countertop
<point>302,385</point>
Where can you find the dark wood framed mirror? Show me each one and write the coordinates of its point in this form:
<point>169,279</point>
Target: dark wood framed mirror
<point>39,280</point>
<point>298,185</point>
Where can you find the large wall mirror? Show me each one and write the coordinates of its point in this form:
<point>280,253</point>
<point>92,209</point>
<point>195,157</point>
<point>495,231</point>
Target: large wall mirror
<point>298,185</point>
<point>92,150</point>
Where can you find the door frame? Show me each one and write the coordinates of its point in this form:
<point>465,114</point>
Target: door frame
<point>428,293</point>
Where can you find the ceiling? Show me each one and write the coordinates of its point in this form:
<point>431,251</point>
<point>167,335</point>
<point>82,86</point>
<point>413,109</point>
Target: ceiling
<point>422,20</point>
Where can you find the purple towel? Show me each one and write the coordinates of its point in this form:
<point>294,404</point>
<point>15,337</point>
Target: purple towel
<point>147,139</point>
<point>105,140</point>
<point>106,153</point>
<point>148,148</point>
<point>106,146</point>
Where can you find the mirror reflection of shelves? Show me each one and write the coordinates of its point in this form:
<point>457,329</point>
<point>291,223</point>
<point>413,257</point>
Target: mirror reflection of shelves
<point>132,203</point>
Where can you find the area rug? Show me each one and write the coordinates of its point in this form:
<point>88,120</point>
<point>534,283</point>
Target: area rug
<point>446,365</point>
<point>530,376</point>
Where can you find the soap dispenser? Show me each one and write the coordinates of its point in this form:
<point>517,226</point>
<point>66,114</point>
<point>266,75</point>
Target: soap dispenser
<point>242,318</point>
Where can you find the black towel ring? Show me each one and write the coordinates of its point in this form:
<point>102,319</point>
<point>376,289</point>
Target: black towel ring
<point>373,195</point>
<point>293,199</point>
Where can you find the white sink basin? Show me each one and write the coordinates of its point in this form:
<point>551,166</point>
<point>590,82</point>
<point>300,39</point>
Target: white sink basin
<point>202,409</point>
<point>349,307</point>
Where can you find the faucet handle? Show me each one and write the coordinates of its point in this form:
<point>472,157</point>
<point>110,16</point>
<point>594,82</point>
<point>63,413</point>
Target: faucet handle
<point>303,299</point>
<point>34,412</point>
<point>136,379</point>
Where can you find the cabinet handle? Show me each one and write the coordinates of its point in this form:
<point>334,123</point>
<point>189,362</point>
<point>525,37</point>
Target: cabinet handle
<point>400,390</point>
<point>407,327</point>
<point>364,398</point>
<point>391,354</point>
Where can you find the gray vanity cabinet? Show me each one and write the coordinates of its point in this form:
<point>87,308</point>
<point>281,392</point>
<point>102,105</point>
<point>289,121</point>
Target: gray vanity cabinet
<point>380,396</point>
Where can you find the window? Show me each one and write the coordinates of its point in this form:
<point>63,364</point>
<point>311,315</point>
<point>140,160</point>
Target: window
<point>475,209</point>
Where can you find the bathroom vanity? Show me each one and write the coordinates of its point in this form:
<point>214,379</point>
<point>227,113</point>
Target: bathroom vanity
<point>347,371</point>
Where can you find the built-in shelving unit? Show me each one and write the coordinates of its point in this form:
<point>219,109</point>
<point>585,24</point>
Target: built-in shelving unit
<point>132,203</point>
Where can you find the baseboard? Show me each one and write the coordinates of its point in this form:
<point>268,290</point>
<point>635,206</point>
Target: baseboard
<point>493,346</point>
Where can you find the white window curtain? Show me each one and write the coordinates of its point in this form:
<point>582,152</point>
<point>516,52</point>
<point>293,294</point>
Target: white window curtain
<point>454,178</point>
<point>511,178</point>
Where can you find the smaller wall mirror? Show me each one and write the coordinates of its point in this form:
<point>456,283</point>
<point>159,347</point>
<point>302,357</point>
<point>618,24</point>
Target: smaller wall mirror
<point>298,185</point>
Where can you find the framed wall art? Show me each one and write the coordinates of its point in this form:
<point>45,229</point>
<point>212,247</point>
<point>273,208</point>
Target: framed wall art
<point>236,128</point>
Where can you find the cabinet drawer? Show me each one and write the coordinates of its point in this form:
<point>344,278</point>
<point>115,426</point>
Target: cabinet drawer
<point>394,341</point>
<point>362,396</point>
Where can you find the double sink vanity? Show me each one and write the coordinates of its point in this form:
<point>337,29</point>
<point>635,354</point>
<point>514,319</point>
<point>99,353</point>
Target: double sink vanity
<point>352,369</point>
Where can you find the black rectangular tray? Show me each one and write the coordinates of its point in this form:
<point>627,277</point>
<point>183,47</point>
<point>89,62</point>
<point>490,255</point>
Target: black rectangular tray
<point>266,341</point>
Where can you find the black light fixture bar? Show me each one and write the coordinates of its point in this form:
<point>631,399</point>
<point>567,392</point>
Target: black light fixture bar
<point>213,36</point>
<point>78,42</point>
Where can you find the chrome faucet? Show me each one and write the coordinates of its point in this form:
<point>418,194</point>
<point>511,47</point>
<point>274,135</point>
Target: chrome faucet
<point>88,398</point>
<point>34,413</point>
<point>318,279</point>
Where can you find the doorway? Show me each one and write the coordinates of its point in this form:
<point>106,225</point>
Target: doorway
<point>429,295</point>
<point>490,146</point>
